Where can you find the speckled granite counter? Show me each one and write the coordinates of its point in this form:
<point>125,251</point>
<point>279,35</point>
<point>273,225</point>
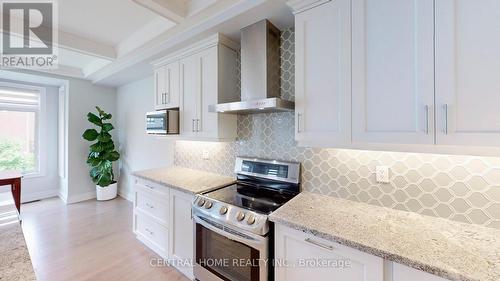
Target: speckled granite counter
<point>15,262</point>
<point>184,179</point>
<point>452,250</point>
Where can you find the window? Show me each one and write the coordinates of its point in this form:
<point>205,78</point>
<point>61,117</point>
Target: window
<point>20,107</point>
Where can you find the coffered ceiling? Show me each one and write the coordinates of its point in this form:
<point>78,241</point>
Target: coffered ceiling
<point>112,42</point>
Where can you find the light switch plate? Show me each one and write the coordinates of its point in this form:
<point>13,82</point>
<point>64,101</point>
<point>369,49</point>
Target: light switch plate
<point>206,155</point>
<point>382,173</point>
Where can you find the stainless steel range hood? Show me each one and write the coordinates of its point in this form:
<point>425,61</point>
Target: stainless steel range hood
<point>260,73</point>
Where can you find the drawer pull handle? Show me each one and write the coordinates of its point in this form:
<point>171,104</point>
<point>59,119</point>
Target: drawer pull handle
<point>150,206</point>
<point>149,186</point>
<point>149,231</point>
<point>321,245</point>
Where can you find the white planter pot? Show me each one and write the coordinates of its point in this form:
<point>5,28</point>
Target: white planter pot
<point>106,193</point>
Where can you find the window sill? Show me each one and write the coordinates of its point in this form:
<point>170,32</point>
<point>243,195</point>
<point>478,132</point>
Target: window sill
<point>32,175</point>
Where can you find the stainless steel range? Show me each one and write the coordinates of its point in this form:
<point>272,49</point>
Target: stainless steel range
<point>233,236</point>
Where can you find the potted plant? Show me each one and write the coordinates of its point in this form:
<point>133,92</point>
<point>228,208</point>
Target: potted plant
<point>102,155</point>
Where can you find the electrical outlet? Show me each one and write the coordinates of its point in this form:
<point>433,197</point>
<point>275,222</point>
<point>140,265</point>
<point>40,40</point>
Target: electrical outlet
<point>382,173</point>
<point>206,155</point>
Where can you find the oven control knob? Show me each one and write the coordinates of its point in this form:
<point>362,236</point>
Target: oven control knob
<point>223,210</point>
<point>208,205</point>
<point>251,219</point>
<point>201,202</point>
<point>240,216</point>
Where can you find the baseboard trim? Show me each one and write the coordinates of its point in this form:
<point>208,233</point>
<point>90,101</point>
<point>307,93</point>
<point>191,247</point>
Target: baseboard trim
<point>80,197</point>
<point>63,198</point>
<point>125,195</point>
<point>39,195</point>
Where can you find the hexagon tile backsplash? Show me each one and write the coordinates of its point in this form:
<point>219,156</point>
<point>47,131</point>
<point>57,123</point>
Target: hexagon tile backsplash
<point>461,188</point>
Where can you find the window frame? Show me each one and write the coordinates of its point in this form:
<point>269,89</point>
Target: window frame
<point>40,121</point>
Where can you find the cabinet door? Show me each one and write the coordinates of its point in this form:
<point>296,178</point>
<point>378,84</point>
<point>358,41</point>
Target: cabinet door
<point>467,65</point>
<point>393,71</point>
<point>172,85</point>
<point>181,227</point>
<point>189,68</point>
<point>399,272</point>
<point>307,255</point>
<point>322,70</point>
<point>207,122</point>
<point>160,88</point>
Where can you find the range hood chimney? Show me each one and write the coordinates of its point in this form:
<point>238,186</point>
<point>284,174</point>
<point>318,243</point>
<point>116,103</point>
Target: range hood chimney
<point>260,73</point>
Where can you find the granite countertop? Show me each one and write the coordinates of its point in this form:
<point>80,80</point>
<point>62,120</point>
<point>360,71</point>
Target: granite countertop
<point>184,179</point>
<point>15,262</point>
<point>452,250</point>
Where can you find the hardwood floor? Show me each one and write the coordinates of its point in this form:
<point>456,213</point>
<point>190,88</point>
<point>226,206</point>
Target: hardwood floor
<point>88,241</point>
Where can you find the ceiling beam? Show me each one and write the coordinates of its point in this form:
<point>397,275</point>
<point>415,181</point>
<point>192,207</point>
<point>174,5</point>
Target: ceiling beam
<point>73,42</point>
<point>85,46</point>
<point>174,10</point>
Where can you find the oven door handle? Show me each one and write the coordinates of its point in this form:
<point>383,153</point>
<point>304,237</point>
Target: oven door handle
<point>258,243</point>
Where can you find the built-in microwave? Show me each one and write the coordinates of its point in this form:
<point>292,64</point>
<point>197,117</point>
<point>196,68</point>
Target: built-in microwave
<point>162,122</point>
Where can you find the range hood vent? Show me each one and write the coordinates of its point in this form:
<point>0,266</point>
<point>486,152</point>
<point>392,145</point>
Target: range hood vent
<point>260,73</point>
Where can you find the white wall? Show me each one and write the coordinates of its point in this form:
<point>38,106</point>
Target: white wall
<point>138,150</point>
<point>83,97</point>
<point>46,184</point>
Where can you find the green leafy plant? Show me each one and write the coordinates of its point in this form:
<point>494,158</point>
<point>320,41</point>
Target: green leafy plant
<point>102,153</point>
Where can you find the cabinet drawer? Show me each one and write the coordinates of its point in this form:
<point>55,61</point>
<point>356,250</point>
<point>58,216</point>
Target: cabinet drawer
<point>153,206</point>
<point>312,258</point>
<point>152,233</point>
<point>155,188</point>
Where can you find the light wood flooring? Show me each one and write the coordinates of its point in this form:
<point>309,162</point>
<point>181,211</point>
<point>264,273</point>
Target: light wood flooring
<point>88,241</point>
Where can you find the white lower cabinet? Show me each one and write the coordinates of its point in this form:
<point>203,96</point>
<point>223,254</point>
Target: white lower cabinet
<point>181,231</point>
<point>399,272</point>
<point>301,256</point>
<point>162,221</point>
<point>151,233</point>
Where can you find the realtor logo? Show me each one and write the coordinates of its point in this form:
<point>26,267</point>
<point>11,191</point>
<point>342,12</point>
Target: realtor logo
<point>29,34</point>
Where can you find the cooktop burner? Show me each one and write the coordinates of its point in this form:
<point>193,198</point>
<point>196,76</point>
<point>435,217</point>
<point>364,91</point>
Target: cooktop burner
<point>250,197</point>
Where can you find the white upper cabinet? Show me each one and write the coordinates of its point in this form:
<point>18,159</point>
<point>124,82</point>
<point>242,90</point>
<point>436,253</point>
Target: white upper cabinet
<point>189,105</point>
<point>206,73</point>
<point>167,86</point>
<point>467,67</point>
<point>159,81</point>
<point>398,74</point>
<point>393,71</point>
<point>207,124</point>
<point>199,90</point>
<point>208,77</point>
<point>322,77</point>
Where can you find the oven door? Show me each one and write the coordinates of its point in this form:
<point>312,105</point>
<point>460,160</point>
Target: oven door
<point>227,254</point>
